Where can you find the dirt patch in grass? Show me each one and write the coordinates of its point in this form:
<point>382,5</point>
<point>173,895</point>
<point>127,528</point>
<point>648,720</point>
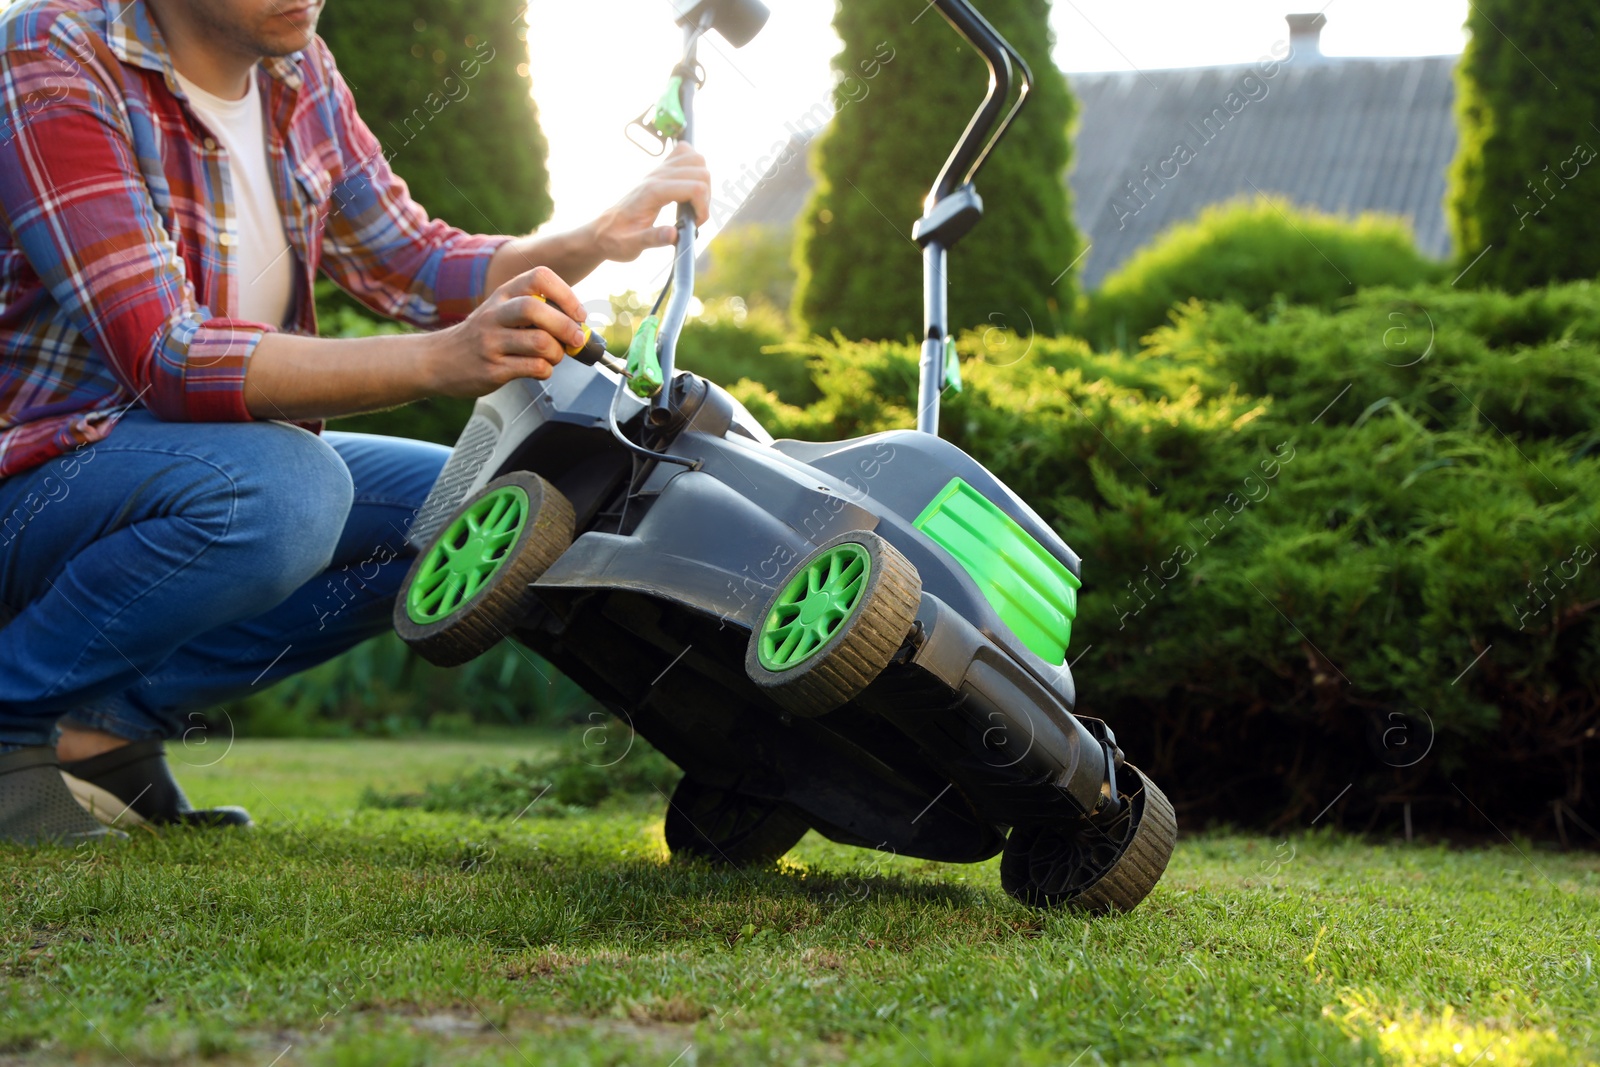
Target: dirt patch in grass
<point>659,1029</point>
<point>546,963</point>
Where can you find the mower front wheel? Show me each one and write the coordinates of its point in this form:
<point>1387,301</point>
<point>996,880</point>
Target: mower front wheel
<point>473,585</point>
<point>836,622</point>
<point>1095,867</point>
<point>728,828</point>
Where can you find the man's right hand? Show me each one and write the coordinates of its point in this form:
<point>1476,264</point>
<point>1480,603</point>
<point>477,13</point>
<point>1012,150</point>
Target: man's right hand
<point>510,335</point>
<point>513,334</point>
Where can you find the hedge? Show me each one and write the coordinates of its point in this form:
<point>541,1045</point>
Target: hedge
<point>1321,549</point>
<point>1255,253</point>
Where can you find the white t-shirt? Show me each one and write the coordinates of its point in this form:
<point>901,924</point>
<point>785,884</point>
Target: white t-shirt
<point>263,262</point>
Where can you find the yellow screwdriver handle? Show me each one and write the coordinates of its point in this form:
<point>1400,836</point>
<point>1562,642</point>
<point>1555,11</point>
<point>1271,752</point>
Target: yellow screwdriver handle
<point>593,347</point>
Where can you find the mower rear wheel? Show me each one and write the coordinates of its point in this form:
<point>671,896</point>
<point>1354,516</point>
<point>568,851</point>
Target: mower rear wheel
<point>728,828</point>
<point>835,624</point>
<point>1097,868</point>
<point>473,584</point>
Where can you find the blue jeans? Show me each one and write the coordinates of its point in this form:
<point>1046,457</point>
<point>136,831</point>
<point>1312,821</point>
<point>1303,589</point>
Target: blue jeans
<point>174,566</point>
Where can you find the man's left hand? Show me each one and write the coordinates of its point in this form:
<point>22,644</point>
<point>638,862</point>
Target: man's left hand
<point>630,227</point>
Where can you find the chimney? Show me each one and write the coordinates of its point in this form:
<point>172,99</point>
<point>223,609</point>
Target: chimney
<point>1305,36</point>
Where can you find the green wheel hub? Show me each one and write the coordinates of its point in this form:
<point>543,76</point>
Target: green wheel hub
<point>467,555</point>
<point>813,607</point>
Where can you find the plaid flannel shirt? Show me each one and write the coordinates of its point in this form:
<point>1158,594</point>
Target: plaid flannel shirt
<point>118,264</point>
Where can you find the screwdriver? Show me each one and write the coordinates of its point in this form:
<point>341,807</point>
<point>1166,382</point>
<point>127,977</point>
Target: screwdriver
<point>593,347</point>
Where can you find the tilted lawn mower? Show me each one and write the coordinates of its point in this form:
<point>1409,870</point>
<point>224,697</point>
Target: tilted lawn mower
<point>866,638</point>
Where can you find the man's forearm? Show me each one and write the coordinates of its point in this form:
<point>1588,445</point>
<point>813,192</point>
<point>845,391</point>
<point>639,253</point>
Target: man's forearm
<point>519,331</point>
<point>573,255</point>
<point>292,377</point>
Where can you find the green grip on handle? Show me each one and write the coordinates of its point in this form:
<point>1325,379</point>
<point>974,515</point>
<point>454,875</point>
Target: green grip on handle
<point>644,365</point>
<point>667,117</point>
<point>952,366</point>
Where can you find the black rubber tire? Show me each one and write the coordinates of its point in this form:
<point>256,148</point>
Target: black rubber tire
<point>728,828</point>
<point>1097,869</point>
<point>506,598</point>
<point>863,646</point>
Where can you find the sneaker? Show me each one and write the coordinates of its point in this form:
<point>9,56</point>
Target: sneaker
<point>132,786</point>
<point>37,808</point>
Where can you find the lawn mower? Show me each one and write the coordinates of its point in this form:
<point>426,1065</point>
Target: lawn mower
<point>866,638</point>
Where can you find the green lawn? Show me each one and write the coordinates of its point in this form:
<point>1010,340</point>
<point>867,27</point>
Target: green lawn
<point>348,935</point>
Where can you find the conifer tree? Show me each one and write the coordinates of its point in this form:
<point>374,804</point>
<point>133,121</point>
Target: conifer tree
<point>1526,175</point>
<point>908,86</point>
<point>445,87</point>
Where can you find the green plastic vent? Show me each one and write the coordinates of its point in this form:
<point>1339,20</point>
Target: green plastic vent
<point>1032,592</point>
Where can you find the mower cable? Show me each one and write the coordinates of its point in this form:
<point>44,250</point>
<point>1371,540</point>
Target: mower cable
<point>637,449</point>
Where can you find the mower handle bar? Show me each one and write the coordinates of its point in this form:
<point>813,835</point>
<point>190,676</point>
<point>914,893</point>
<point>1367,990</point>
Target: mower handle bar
<point>683,253</point>
<point>953,207</point>
<point>972,151</point>
<point>985,129</point>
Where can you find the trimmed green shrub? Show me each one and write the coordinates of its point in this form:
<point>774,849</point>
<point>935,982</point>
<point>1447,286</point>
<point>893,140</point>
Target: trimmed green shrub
<point>1254,253</point>
<point>909,86</point>
<point>444,86</point>
<point>1526,172</point>
<point>1321,550</point>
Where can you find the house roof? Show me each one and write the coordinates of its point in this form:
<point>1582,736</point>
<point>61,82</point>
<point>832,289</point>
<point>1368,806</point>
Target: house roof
<point>1342,135</point>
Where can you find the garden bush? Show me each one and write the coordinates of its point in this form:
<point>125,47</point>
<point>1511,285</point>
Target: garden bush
<point>1322,549</point>
<point>1255,253</point>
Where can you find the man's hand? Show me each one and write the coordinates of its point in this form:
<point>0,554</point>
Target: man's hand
<point>621,233</point>
<point>629,228</point>
<point>512,334</point>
